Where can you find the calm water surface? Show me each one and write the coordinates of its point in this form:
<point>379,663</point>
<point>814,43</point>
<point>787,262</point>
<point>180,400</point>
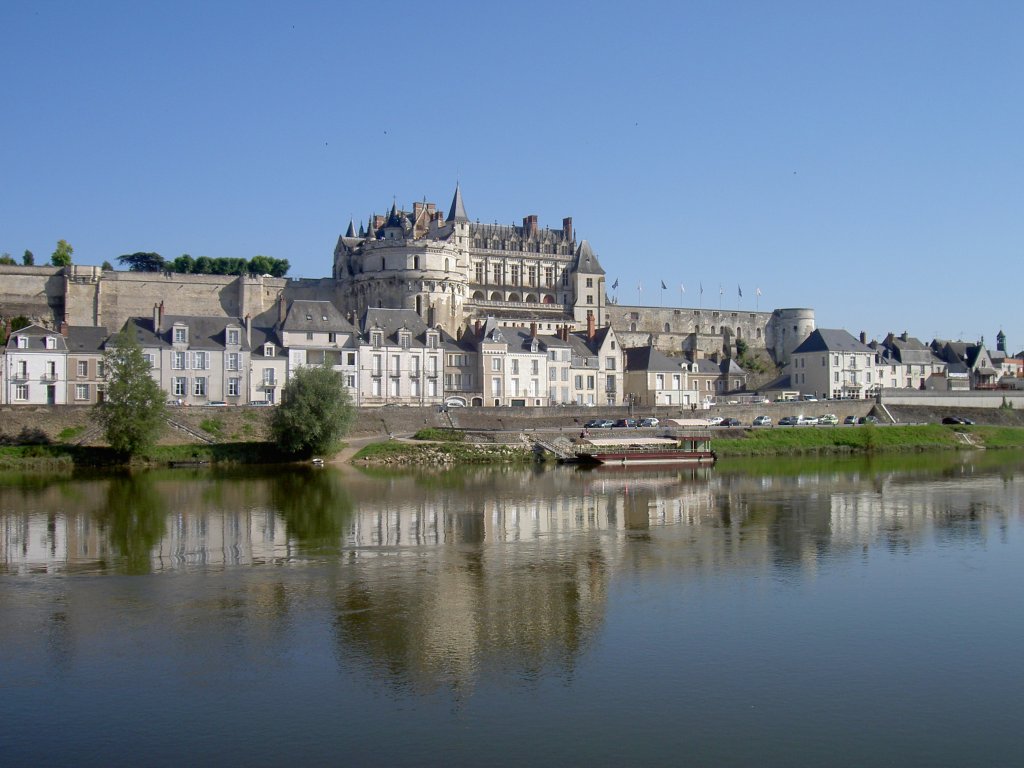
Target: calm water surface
<point>782,613</point>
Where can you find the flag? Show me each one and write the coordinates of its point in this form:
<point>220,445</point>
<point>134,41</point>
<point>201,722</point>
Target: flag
<point>682,288</point>
<point>639,285</point>
<point>615,284</point>
<point>739,290</point>
<point>663,286</point>
<point>702,289</point>
<point>721,290</point>
<point>758,291</point>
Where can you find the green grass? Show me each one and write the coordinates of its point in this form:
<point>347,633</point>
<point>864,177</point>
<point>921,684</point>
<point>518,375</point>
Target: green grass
<point>860,439</point>
<point>443,453</point>
<point>440,435</point>
<point>213,426</point>
<point>70,433</point>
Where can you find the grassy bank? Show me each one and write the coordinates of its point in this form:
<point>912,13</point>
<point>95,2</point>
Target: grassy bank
<point>864,439</point>
<point>57,457</point>
<point>441,454</point>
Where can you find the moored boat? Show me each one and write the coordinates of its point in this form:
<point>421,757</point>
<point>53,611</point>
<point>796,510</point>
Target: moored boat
<point>646,450</point>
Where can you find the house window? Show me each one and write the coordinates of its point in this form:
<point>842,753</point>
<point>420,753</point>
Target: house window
<point>83,367</point>
<point>233,336</point>
<point>233,387</point>
<point>21,392</point>
<point>101,369</point>
<point>178,361</point>
<point>350,358</point>
<point>22,342</point>
<point>199,386</point>
<point>81,392</point>
<point>609,364</point>
<point>495,363</point>
<point>268,350</point>
<point>268,376</point>
<point>180,386</point>
<point>590,282</point>
<point>515,367</point>
<point>350,380</point>
<point>180,335</point>
<point>50,342</point>
<point>148,357</point>
<point>332,338</point>
<point>200,361</point>
<point>233,361</point>
<point>309,335</point>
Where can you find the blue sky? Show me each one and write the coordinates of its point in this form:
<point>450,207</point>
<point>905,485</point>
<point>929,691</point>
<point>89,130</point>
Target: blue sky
<point>864,159</point>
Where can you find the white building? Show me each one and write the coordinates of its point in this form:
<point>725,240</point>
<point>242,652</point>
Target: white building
<point>35,367</point>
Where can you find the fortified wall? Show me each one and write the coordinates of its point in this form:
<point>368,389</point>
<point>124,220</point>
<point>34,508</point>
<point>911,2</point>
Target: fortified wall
<point>676,331</point>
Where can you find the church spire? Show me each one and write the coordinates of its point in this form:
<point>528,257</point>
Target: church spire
<point>458,210</point>
<point>351,231</point>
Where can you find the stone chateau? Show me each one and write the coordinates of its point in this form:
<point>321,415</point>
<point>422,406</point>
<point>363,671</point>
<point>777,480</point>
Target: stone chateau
<point>420,279</point>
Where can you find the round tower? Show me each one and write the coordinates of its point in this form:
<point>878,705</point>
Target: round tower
<point>785,331</point>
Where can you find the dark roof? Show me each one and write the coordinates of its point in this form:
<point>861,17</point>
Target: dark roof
<point>203,332</point>
<point>650,359</point>
<point>457,212</point>
<point>86,338</point>
<point>322,316</point>
<point>391,321</point>
<point>262,336</point>
<point>35,335</point>
<point>586,260</point>
<point>831,340</point>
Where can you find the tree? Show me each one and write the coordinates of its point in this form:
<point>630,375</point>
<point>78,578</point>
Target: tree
<point>203,265</point>
<point>132,413</point>
<point>143,262</point>
<point>6,260</point>
<point>280,267</point>
<point>106,266</point>
<point>28,258</point>
<point>260,265</point>
<point>315,412</point>
<point>62,255</point>
<point>184,264</point>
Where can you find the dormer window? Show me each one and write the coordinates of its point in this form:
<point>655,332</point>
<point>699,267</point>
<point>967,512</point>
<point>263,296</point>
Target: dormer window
<point>376,338</point>
<point>50,343</point>
<point>23,342</point>
<point>403,339</point>
<point>180,335</point>
<point>268,350</point>
<point>233,336</point>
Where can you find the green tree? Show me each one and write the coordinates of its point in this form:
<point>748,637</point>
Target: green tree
<point>260,265</point>
<point>184,264</point>
<point>203,266</point>
<point>20,322</point>
<point>106,266</point>
<point>280,267</point>
<point>62,255</point>
<point>28,258</point>
<point>132,414</point>
<point>6,260</point>
<point>143,262</point>
<point>314,414</point>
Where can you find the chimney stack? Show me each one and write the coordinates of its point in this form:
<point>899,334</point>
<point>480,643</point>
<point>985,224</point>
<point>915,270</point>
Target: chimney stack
<point>863,337</point>
<point>903,336</point>
<point>476,329</point>
<point>533,330</point>
<point>281,308</point>
<point>567,228</point>
<point>64,328</point>
<point>156,319</point>
<point>590,326</point>
<point>530,225</point>
<point>248,331</point>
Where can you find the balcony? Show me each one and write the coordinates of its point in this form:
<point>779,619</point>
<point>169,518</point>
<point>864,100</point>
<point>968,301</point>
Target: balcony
<point>19,376</point>
<point>269,383</point>
<point>48,377</point>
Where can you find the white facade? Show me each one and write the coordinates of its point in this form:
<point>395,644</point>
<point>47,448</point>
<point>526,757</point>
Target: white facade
<point>35,367</point>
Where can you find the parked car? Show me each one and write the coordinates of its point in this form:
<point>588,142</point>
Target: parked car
<point>809,399</point>
<point>762,421</point>
<point>787,421</point>
<point>731,422</point>
<point>599,424</point>
<point>714,421</point>
<point>809,421</point>
<point>956,420</point>
<point>829,418</point>
<point>649,421</point>
<point>850,420</point>
<point>867,420</point>
<point>625,423</point>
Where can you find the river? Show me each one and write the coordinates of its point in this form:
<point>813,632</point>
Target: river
<point>782,612</point>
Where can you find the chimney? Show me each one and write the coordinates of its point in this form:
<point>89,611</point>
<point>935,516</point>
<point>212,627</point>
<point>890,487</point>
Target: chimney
<point>590,326</point>
<point>281,308</point>
<point>417,209</point>
<point>64,328</point>
<point>863,337</point>
<point>248,331</point>
<point>567,228</point>
<point>476,329</point>
<point>431,209</point>
<point>156,318</point>
<point>698,354</point>
<point>903,336</point>
<point>530,225</point>
<point>533,330</point>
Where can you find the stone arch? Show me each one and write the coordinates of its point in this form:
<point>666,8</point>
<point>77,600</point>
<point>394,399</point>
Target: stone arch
<point>632,327</point>
<point>513,297</point>
<point>549,299</point>
<point>478,295</point>
<point>531,298</point>
<point>496,296</point>
<point>668,328</point>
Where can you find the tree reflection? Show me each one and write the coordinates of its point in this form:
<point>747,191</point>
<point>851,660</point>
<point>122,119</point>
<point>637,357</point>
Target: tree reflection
<point>134,518</point>
<point>315,507</point>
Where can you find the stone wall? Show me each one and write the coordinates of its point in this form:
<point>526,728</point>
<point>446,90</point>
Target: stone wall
<point>35,292</point>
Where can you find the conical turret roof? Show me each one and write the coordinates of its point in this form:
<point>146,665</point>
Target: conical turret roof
<point>458,211</point>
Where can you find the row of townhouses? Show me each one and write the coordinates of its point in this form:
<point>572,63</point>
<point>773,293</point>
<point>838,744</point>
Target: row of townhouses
<point>833,363</point>
<point>391,357</point>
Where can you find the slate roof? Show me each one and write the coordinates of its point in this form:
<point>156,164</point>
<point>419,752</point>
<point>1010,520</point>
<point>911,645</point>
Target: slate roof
<point>391,321</point>
<point>203,332</point>
<point>586,260</point>
<point>321,316</point>
<point>457,212</point>
<point>831,340</point>
<point>650,359</point>
<point>86,339</point>
<point>35,335</point>
<point>260,337</point>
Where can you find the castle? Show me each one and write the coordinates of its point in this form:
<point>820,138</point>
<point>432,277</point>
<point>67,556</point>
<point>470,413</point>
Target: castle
<point>449,270</point>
